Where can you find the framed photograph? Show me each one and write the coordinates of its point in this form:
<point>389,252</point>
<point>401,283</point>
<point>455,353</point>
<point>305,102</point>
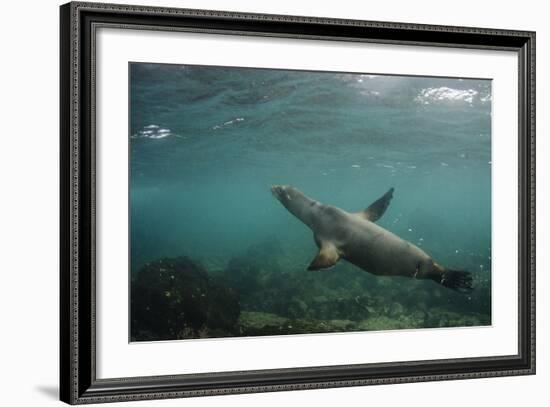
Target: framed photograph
<point>255,203</point>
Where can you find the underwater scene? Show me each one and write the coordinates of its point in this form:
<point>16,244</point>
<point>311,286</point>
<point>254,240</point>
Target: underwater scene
<point>274,202</point>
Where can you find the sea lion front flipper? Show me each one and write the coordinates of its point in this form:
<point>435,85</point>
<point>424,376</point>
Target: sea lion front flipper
<point>378,207</point>
<point>327,257</point>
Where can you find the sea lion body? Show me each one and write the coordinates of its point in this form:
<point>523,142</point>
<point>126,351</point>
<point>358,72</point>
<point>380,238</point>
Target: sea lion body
<point>375,249</point>
<point>356,238</point>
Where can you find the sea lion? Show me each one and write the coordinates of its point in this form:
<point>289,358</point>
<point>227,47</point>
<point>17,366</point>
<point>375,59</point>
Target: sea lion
<point>356,238</point>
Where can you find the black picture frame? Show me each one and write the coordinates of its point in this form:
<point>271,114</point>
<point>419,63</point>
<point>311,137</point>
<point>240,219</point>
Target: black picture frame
<point>78,382</point>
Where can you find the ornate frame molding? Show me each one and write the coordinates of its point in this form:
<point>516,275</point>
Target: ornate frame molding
<point>79,21</point>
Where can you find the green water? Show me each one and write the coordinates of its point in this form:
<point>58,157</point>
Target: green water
<point>208,142</point>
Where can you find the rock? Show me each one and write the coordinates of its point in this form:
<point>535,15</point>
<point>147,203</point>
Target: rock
<point>242,275</point>
<point>263,323</point>
<point>395,309</point>
<point>223,308</point>
<point>297,308</point>
<point>175,298</point>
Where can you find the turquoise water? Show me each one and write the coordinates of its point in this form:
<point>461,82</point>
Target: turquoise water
<point>208,142</point>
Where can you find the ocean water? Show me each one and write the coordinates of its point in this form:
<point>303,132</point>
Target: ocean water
<point>207,143</point>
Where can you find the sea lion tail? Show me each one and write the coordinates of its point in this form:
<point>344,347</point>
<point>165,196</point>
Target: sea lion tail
<point>457,280</point>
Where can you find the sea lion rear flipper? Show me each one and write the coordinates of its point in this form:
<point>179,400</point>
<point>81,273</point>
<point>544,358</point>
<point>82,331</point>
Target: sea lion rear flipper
<point>378,207</point>
<point>457,280</point>
<point>327,257</point>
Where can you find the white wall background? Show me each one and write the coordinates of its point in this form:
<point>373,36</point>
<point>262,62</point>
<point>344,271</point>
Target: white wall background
<point>29,202</point>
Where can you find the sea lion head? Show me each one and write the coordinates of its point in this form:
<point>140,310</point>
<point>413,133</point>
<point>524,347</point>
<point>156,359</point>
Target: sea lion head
<point>295,201</point>
<point>285,193</point>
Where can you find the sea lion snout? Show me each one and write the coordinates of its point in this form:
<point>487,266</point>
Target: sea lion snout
<point>281,192</point>
<point>276,189</point>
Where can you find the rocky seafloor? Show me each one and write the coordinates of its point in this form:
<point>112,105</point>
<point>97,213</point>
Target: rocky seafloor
<point>263,292</point>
